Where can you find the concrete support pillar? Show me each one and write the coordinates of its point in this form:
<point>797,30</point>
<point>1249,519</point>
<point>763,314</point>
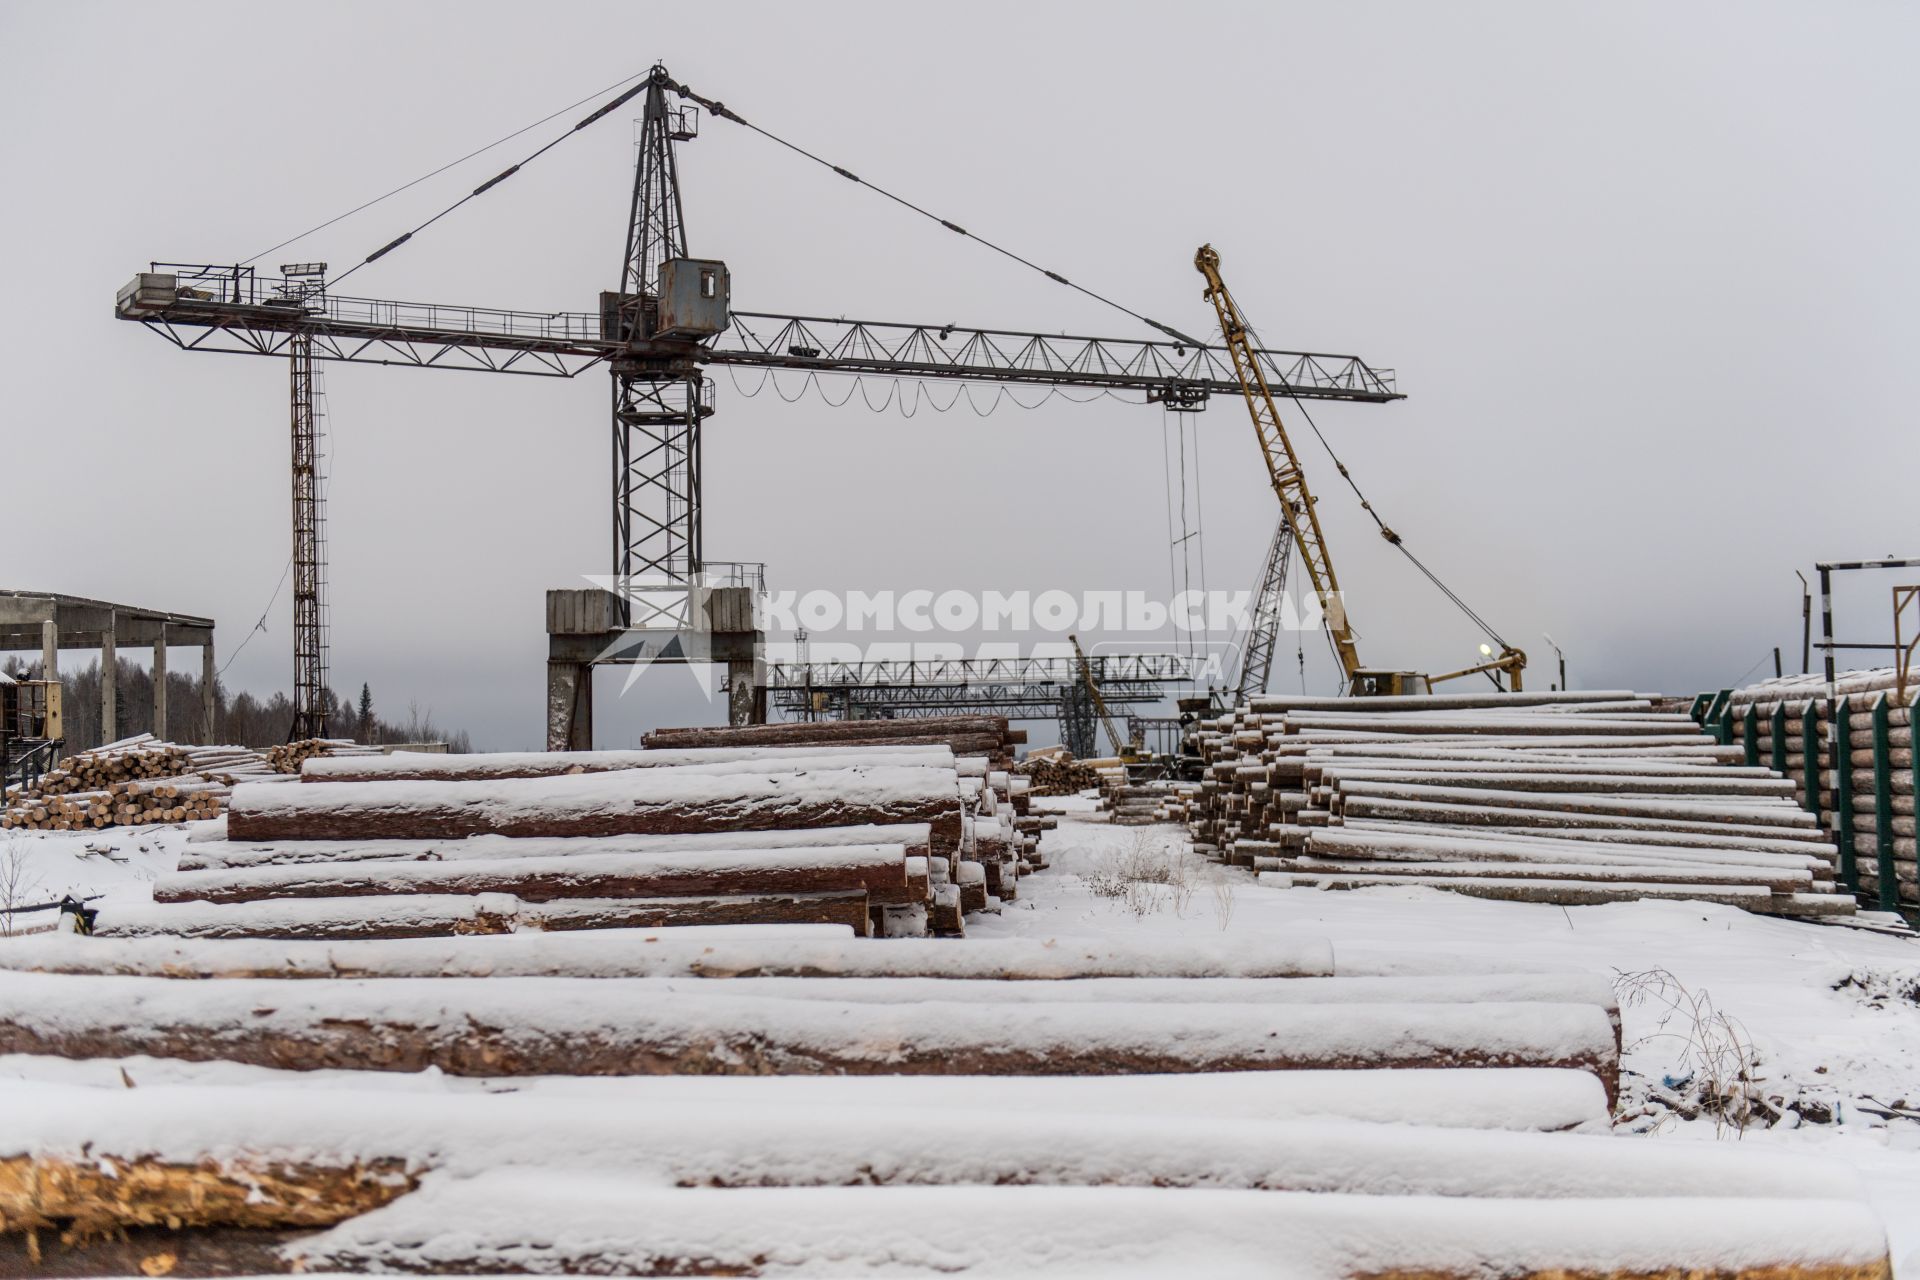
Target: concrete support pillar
<point>569,706</point>
<point>160,686</point>
<point>207,680</point>
<point>49,650</point>
<point>109,685</point>
<point>746,700</point>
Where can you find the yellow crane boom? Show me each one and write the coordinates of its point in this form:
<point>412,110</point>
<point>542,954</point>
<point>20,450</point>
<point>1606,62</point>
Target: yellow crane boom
<point>1283,464</point>
<point>1121,746</point>
<point>1303,519</point>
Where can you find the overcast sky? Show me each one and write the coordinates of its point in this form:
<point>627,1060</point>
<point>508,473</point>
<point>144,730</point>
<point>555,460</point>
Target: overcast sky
<point>1645,271</point>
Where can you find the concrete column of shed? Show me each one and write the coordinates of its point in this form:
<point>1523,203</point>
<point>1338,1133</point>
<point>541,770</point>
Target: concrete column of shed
<point>109,684</point>
<point>49,650</point>
<point>746,701</point>
<point>569,706</point>
<point>207,679</point>
<point>160,686</point>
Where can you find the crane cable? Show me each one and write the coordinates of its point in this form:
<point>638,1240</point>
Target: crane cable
<point>611,106</point>
<point>442,169</point>
<point>722,111</point>
<point>1386,531</point>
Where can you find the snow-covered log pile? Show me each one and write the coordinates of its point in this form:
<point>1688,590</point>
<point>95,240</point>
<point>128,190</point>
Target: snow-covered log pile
<point>289,758</point>
<point>897,838</point>
<point>137,781</point>
<point>1809,713</point>
<point>1569,798</point>
<point>1131,803</point>
<point>1146,1107</point>
<point>964,735</point>
<point>1058,774</point>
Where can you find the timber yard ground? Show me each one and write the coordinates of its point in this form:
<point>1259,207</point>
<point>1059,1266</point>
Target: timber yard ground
<point>1832,1013</point>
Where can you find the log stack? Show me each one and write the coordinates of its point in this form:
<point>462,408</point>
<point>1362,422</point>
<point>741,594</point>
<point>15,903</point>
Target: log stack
<point>896,839</point>
<point>1058,775</point>
<point>1571,799</point>
<point>1130,803</point>
<point>1137,1106</point>
<point>1807,716</point>
<point>144,781</point>
<point>289,757</point>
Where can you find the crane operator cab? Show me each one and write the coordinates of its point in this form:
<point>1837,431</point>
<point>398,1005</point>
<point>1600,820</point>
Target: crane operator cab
<point>1388,684</point>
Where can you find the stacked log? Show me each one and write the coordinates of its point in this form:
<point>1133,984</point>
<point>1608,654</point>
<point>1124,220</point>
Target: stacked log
<point>1058,775</point>
<point>423,918</point>
<point>289,758</point>
<point>1849,808</point>
<point>1571,799</point>
<point>139,781</point>
<point>1134,803</point>
<point>1146,1082</point>
<point>421,845</point>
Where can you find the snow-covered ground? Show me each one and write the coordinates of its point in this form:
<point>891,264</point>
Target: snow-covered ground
<point>1829,1016</point>
<point>117,863</point>
<point>1825,1019</point>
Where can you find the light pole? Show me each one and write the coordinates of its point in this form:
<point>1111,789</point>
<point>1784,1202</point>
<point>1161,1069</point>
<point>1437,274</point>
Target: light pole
<point>1563,661</point>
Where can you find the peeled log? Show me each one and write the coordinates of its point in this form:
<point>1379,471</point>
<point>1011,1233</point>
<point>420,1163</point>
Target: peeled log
<point>1565,893</point>
<point>1605,784</point>
<point>879,870</point>
<point>1544,726</point>
<point>634,801</point>
<point>555,1026</point>
<point>1489,815</point>
<point>1778,812</point>
<point>1818,850</point>
<point>1276,703</point>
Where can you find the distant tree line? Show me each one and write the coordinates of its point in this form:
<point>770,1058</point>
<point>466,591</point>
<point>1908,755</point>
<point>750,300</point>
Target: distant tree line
<point>238,718</point>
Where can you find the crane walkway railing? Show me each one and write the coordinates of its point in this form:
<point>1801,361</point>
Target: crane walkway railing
<point>209,307</point>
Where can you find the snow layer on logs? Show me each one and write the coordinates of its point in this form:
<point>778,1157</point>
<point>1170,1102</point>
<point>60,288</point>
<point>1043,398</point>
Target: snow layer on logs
<point>225,854</point>
<point>1506,1098</point>
<point>519,1026</point>
<point>632,800</point>
<point>433,915</point>
<point>880,868</point>
<point>427,766</point>
<point>757,1144</point>
<point>792,951</point>
<point>558,1222</point>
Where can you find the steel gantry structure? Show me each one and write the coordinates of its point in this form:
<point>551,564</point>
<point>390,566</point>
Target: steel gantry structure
<point>659,334</point>
<point>1023,688</point>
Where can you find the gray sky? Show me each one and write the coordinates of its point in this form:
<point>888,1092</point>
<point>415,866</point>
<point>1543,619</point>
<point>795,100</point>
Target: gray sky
<point>1644,270</point>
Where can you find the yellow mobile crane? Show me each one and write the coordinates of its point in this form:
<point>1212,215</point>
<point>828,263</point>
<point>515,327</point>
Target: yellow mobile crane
<point>1303,521</point>
<point>1125,748</point>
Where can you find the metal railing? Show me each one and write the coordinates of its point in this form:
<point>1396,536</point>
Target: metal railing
<point>245,287</point>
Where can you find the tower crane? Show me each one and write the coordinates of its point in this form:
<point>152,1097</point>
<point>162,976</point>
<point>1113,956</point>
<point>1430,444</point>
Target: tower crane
<point>1300,530</point>
<point>660,335</point>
